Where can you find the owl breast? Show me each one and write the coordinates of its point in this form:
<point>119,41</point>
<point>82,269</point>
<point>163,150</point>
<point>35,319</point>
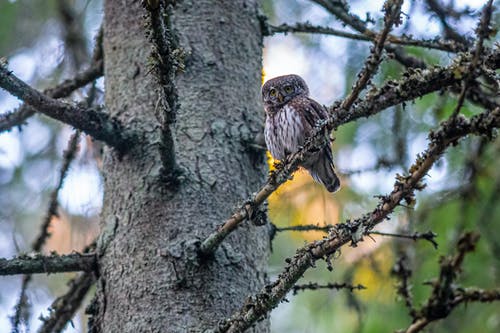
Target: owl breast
<point>284,132</point>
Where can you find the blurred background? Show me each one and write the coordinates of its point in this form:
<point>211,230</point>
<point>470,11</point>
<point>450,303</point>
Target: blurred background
<point>48,41</point>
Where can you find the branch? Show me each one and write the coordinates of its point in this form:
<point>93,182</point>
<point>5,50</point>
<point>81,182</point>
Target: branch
<point>64,307</point>
<point>27,264</point>
<point>340,10</point>
<point>392,17</point>
<point>482,31</point>
<point>75,43</point>
<point>96,123</point>
<point>64,89</point>
<point>68,156</point>
<point>269,297</point>
<point>446,295</point>
<point>428,236</point>
<point>307,27</point>
<point>442,14</point>
<point>403,273</point>
<point>336,286</point>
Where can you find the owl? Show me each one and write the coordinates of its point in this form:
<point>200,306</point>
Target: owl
<point>290,119</point>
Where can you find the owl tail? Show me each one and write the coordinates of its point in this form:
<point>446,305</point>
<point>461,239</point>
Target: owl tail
<point>322,170</point>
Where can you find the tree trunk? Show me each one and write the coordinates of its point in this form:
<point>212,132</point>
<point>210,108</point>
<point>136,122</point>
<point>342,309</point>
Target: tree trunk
<point>151,278</point>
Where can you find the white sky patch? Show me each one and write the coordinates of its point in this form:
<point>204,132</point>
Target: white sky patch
<point>36,136</point>
<point>285,57</point>
<point>82,190</point>
<point>48,51</point>
<point>10,150</point>
<point>23,65</point>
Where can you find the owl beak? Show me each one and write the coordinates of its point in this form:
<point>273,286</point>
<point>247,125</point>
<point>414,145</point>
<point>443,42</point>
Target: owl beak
<point>280,98</point>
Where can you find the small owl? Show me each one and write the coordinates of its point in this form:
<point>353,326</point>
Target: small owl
<point>290,119</point>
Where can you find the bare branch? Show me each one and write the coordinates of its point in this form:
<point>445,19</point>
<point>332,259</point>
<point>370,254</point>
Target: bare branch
<point>28,264</point>
<point>96,123</point>
<point>73,33</point>
<point>392,17</point>
<point>335,286</point>
<point>446,295</point>
<point>391,39</point>
<point>341,11</point>
<point>343,233</point>
<point>68,156</point>
<point>428,236</point>
<point>482,32</point>
<point>64,89</point>
<point>403,273</point>
<point>65,307</point>
<point>442,14</point>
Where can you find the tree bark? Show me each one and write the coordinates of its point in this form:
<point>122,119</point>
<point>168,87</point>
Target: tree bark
<point>151,278</point>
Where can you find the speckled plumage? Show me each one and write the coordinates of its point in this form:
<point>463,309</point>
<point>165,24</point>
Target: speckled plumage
<point>290,118</point>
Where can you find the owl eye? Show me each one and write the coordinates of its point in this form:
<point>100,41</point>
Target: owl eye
<point>288,89</point>
<point>273,92</point>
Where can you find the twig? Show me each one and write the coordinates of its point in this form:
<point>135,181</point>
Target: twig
<point>403,273</point>
<point>96,123</point>
<point>428,236</point>
<point>391,39</point>
<point>32,264</point>
<point>446,295</point>
<point>392,17</point>
<point>381,164</point>
<point>64,307</point>
<point>442,14</point>
<point>64,89</point>
<point>69,154</point>
<point>404,187</point>
<point>73,33</point>
<point>316,286</point>
<point>415,84</point>
<point>339,9</point>
<point>482,32</point>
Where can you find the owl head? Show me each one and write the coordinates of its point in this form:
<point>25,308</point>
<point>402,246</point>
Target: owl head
<point>278,91</point>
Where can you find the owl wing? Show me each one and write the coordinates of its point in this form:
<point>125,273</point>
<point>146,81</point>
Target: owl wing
<point>312,112</point>
<point>319,164</point>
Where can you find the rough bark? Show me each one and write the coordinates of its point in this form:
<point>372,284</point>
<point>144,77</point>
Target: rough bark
<point>151,278</point>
